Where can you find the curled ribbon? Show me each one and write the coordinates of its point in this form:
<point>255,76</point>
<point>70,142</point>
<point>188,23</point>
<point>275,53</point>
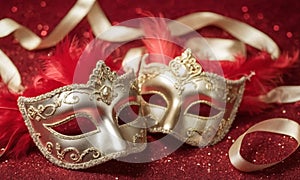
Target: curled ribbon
<point>276,125</point>
<point>10,74</point>
<point>31,41</point>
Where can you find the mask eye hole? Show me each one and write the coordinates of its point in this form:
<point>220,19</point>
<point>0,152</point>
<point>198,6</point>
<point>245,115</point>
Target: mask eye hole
<point>74,125</point>
<point>203,109</point>
<point>154,98</point>
<point>128,114</point>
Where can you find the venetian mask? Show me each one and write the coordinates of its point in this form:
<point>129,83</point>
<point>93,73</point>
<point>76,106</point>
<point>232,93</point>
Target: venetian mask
<point>105,110</point>
<point>181,99</point>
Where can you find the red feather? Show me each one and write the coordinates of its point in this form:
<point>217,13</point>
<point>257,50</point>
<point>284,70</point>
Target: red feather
<point>61,65</point>
<point>159,43</point>
<point>268,75</point>
<point>14,137</point>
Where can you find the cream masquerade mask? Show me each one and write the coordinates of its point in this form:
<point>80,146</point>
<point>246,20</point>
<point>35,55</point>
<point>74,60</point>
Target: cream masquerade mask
<point>100,102</point>
<point>183,85</point>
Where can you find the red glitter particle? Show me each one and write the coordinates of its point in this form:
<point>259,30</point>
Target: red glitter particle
<point>46,27</point>
<point>245,9</point>
<point>14,9</point>
<point>44,33</point>
<point>39,27</point>
<point>260,16</point>
<point>276,28</point>
<point>246,16</point>
<point>43,4</point>
<point>289,34</point>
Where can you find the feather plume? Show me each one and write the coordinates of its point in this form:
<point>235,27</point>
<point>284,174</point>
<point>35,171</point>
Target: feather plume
<point>158,39</point>
<point>61,65</point>
<point>14,137</point>
<point>267,75</point>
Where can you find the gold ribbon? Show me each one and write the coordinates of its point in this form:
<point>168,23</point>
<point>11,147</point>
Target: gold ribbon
<point>276,125</point>
<point>238,29</point>
<point>220,49</point>
<point>10,74</point>
<point>282,94</point>
<point>31,41</point>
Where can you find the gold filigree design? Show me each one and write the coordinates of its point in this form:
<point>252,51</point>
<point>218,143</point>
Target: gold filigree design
<point>49,147</point>
<point>75,155</point>
<point>144,77</point>
<point>191,132</point>
<point>69,98</point>
<point>185,66</point>
<point>102,81</point>
<point>134,85</point>
<point>43,111</point>
<point>140,135</point>
<point>105,94</point>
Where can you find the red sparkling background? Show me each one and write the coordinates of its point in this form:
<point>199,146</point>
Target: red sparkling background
<point>279,19</point>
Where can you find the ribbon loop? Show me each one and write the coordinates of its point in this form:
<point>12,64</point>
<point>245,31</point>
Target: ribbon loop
<point>275,125</point>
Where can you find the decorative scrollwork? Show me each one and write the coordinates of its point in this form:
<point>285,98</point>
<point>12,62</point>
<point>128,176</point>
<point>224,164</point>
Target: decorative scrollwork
<point>102,81</point>
<point>144,77</point>
<point>69,98</point>
<point>75,155</point>
<point>140,135</point>
<point>191,132</point>
<point>49,147</point>
<point>43,111</point>
<point>232,94</point>
<point>185,66</point>
<point>105,94</point>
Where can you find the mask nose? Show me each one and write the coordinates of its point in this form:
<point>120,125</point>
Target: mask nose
<point>172,115</point>
<point>109,139</point>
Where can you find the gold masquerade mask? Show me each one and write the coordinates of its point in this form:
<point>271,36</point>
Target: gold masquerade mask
<point>181,99</point>
<point>98,107</point>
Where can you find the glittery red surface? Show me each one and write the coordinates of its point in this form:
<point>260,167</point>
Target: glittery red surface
<point>279,19</point>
